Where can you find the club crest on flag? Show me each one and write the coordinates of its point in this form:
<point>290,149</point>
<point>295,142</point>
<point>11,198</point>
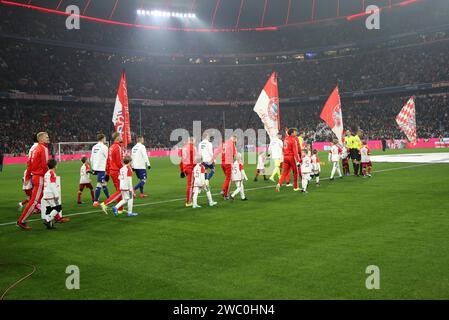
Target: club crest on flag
<point>273,108</point>
<point>336,116</point>
<point>119,122</point>
<point>267,106</point>
<point>332,114</point>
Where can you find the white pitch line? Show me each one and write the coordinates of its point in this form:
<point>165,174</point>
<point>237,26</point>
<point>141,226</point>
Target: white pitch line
<point>215,194</point>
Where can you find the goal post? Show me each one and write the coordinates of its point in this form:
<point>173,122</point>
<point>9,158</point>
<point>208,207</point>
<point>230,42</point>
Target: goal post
<point>74,149</point>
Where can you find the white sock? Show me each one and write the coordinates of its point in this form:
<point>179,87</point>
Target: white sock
<point>237,184</point>
<point>304,184</point>
<point>242,190</point>
<point>196,191</point>
<point>209,196</point>
<point>130,205</point>
<point>120,204</point>
<point>334,168</point>
<point>43,211</point>
<point>53,214</point>
<point>318,179</point>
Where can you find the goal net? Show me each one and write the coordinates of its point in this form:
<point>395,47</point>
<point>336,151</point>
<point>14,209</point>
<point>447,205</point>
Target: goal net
<point>66,151</point>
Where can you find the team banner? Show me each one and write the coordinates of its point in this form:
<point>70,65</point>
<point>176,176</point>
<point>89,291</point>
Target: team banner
<point>332,114</point>
<point>267,106</point>
<point>406,120</point>
<point>120,118</point>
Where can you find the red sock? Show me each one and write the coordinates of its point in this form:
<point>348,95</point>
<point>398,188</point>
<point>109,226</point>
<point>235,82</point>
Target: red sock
<point>25,201</point>
<point>79,196</point>
<point>92,194</point>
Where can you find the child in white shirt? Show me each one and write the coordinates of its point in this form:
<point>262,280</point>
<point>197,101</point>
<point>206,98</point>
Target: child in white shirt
<point>126,188</point>
<point>306,170</point>
<point>200,183</point>
<point>238,176</point>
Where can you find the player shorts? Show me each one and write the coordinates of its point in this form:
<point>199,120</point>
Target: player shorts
<point>306,176</point>
<point>47,206</point>
<point>354,154</point>
<point>260,171</point>
<point>126,195</point>
<point>48,203</point>
<point>209,166</point>
<point>141,174</point>
<point>85,185</point>
<point>100,176</point>
<point>28,192</point>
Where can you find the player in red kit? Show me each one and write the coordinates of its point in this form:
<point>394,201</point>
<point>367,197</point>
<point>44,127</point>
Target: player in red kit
<point>291,158</point>
<point>113,166</point>
<point>36,169</point>
<point>228,153</point>
<point>186,166</point>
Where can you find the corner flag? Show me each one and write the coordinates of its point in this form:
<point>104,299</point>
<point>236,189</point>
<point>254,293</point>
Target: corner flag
<point>406,120</point>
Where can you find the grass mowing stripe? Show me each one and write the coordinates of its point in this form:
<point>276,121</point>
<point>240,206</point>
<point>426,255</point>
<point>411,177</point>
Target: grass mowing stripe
<point>215,194</point>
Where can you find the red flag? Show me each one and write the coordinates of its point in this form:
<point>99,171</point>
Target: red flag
<point>120,118</point>
<point>332,114</point>
<point>267,106</point>
<point>406,120</point>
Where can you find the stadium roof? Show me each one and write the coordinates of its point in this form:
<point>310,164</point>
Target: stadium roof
<point>213,15</point>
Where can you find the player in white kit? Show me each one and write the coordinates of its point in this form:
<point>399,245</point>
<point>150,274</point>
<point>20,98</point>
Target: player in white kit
<point>207,153</point>
<point>238,176</point>
<point>140,163</point>
<point>98,160</point>
<point>200,183</point>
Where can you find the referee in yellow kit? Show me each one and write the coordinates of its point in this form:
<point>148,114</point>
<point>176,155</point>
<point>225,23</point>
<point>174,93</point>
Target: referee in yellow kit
<point>354,154</point>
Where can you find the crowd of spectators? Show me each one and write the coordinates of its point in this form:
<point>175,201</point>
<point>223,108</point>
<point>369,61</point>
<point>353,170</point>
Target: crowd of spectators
<point>54,70</point>
<point>67,68</point>
<point>70,122</point>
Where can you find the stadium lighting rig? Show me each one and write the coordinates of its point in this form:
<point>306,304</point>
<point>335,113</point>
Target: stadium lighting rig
<point>165,14</point>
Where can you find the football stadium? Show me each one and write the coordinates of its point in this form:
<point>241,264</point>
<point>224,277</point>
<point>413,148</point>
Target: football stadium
<point>256,150</point>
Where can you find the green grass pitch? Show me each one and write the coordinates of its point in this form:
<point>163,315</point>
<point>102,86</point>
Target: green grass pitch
<point>275,246</point>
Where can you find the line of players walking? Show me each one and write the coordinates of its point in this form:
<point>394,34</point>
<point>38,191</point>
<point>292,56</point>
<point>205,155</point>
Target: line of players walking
<point>291,154</point>
<point>43,189</point>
